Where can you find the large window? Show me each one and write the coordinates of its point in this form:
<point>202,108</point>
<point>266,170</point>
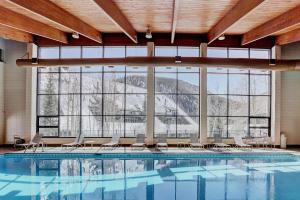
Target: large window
<point>99,101</point>
<point>95,101</point>
<point>239,101</point>
<point>176,96</point>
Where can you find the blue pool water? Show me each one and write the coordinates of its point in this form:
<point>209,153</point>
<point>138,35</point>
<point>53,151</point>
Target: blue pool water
<point>149,177</point>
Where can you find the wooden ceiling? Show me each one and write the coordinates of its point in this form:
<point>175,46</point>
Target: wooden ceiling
<point>251,21</point>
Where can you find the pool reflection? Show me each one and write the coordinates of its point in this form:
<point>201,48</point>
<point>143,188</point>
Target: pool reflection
<point>116,179</point>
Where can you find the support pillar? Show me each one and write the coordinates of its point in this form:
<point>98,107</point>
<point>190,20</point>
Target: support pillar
<point>203,96</point>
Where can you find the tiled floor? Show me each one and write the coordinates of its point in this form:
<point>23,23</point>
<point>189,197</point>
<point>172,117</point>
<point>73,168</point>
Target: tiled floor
<point>148,150</point>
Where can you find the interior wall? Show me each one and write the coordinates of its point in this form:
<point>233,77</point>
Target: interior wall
<point>14,91</point>
<point>290,97</point>
<point>2,46</point>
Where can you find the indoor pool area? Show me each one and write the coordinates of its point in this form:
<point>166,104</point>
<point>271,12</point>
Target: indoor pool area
<point>149,100</point>
<point>150,176</point>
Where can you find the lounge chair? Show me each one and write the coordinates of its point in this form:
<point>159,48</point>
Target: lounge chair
<point>218,142</point>
<point>35,142</point>
<point>140,141</point>
<point>79,140</point>
<point>240,143</point>
<point>162,141</point>
<point>194,143</point>
<point>115,141</point>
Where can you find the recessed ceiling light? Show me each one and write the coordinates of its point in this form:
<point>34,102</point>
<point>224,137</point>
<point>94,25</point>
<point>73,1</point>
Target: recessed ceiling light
<point>222,37</point>
<point>75,35</point>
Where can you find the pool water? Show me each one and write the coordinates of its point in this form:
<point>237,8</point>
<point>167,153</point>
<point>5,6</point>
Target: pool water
<point>149,177</point>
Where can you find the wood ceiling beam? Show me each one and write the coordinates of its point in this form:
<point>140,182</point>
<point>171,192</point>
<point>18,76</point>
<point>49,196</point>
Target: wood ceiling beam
<point>56,14</point>
<point>240,10</point>
<point>174,19</point>
<point>26,24</point>
<point>117,17</point>
<point>238,63</point>
<point>289,37</point>
<point>286,20</point>
<point>14,34</point>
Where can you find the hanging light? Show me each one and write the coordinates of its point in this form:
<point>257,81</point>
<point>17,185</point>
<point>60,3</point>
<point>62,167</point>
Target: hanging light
<point>222,37</point>
<point>75,35</point>
<point>148,33</point>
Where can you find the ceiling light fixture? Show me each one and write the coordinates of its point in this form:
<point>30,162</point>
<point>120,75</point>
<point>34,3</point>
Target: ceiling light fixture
<point>222,37</point>
<point>148,33</point>
<point>75,35</point>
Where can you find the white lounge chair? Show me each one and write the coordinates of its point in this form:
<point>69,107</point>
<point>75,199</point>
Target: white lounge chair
<point>115,141</point>
<point>194,141</point>
<point>140,141</point>
<point>35,142</point>
<point>240,143</point>
<point>218,142</point>
<point>162,141</point>
<point>79,140</point>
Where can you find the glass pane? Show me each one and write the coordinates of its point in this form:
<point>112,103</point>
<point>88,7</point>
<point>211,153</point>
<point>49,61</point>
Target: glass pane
<point>136,69</point>
<point>48,121</point>
<point>48,52</point>
<point>260,106</point>
<point>92,104</point>
<point>260,53</point>
<point>259,122</point>
<point>48,69</point>
<point>136,51</point>
<point>259,132</point>
<point>165,82</point>
<point>188,105</point>
<point>217,105</point>
<point>165,51</point>
<point>114,68</point>
<point>165,125</point>
<point>136,83</point>
<point>48,132</point>
<point>217,70</point>
<point>70,52</point>
<point>114,104</point>
<point>69,126</point>
<point>188,51</point>
<point>238,53</point>
<point>114,82</point>
<point>189,69</point>
<point>70,69</point>
<point>237,126</point>
<point>114,52</point>
<point>48,83</point>
<point>69,105</point>
<point>92,69</point>
<point>238,71</point>
<point>165,105</point>
<point>216,52</point>
<point>187,125</point>
<point>238,84</point>
<point>135,125</point>
<point>216,84</point>
<point>92,52</point>
<point>113,125</point>
<point>259,85</point>
<point>238,105</point>
<point>91,126</point>
<point>166,69</point>
<point>70,83</point>
<point>48,105</point>
<point>92,83</point>
<point>188,83</point>
<point>136,104</point>
<point>217,125</point>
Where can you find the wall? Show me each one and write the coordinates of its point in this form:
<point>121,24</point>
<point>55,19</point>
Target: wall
<point>14,91</point>
<point>290,97</point>
<point>2,46</point>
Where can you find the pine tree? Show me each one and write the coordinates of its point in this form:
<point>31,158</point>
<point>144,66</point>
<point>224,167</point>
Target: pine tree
<point>50,101</point>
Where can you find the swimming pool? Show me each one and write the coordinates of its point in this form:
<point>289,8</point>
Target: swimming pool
<point>150,176</point>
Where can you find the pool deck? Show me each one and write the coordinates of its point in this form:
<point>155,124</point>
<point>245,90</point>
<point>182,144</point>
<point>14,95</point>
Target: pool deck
<point>98,150</point>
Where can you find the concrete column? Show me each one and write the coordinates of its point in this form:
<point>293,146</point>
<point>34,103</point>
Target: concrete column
<point>203,97</point>
<point>2,119</point>
<point>150,97</point>
<point>276,98</point>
